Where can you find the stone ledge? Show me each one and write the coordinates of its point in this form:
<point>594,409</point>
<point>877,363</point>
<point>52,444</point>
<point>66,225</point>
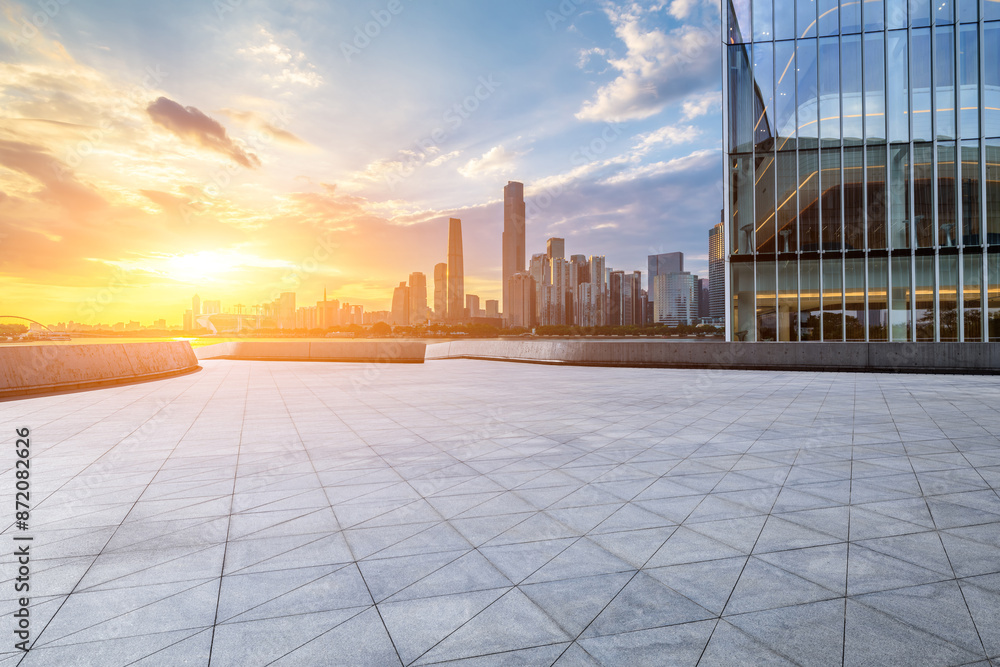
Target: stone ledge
<point>407,352</point>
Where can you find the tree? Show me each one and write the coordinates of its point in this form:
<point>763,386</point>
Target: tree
<point>381,330</point>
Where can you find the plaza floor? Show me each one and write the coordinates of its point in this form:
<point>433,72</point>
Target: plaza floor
<point>482,513</point>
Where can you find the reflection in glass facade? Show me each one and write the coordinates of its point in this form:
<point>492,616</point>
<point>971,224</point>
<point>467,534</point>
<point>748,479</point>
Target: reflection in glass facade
<point>863,170</point>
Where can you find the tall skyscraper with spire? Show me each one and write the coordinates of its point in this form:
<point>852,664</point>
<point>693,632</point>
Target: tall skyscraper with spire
<point>513,237</point>
<point>456,271</point>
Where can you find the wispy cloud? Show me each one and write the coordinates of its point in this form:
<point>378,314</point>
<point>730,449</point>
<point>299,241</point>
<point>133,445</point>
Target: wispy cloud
<point>193,126</point>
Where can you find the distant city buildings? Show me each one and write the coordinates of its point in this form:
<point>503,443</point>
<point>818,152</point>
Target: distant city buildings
<point>418,298</point>
<point>456,272</point>
<point>401,305</point>
<point>513,238</point>
<point>717,272</point>
<point>440,291</point>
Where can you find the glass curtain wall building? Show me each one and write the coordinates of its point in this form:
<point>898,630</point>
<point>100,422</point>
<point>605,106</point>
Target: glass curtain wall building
<point>862,170</point>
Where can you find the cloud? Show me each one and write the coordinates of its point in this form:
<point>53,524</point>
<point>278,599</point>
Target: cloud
<point>290,66</point>
<point>59,182</point>
<point>668,135</point>
<point>699,105</point>
<point>260,122</point>
<point>699,160</point>
<point>192,125</point>
<point>441,159</point>
<point>496,160</point>
<point>658,68</point>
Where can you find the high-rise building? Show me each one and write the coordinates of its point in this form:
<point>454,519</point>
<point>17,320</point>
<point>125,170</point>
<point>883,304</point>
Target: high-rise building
<point>539,271</point>
<point>522,291</point>
<point>492,308</point>
<point>418,298</point>
<point>400,305</point>
<point>599,290</point>
<point>717,272</point>
<point>675,298</point>
<point>440,291</point>
<point>472,305</point>
<point>704,298</point>
<point>625,296</point>
<point>188,320</point>
<point>555,248</point>
<point>327,312</point>
<point>554,303</point>
<point>286,310</point>
<point>669,262</point>
<point>513,234</point>
<point>456,272</point>
<point>195,305</point>
<point>211,307</point>
<point>862,177</point>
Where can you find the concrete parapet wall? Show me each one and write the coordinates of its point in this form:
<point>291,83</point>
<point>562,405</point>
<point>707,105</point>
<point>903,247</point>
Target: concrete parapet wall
<point>32,369</point>
<point>381,351</point>
<point>882,357</point>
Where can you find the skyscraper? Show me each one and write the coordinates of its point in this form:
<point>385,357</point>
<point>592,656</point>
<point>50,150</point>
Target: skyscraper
<point>195,305</point>
<point>669,262</point>
<point>523,293</point>
<point>675,298</point>
<point>400,305</point>
<point>555,248</point>
<point>704,297</point>
<point>286,310</point>
<point>456,271</point>
<point>513,235</point>
<point>717,271</point>
<point>472,305</point>
<point>418,298</point>
<point>862,176</point>
<point>440,291</point>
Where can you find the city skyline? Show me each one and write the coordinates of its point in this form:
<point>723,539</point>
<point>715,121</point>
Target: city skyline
<point>133,176</point>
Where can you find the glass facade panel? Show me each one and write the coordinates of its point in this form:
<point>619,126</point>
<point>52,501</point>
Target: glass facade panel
<point>944,12</point>
<point>809,200</point>
<point>762,24</point>
<point>810,314</point>
<point>805,18</point>
<point>895,13</point>
<point>948,297</point>
<point>920,84</point>
<point>874,88</point>
<point>991,10</point>
<point>788,300</point>
<point>873,15</point>
<point>784,21</point>
<point>829,17</point>
<point>852,88</point>
<point>900,322</point>
<point>741,203</point>
<point>764,203</point>
<point>972,297</point>
<point>850,16</point>
<point>742,100</point>
<point>806,92</point>
<point>833,297</point>
<point>784,95</point>
<point>875,196</point>
<point>968,10</point>
<point>854,198</point>
<point>788,209</point>
<point>767,312</point>
<point>763,72</point>
<point>898,90</point>
<point>993,297</point>
<point>739,22</point>
<point>971,231</point>
<point>968,79</point>
<point>992,187</point>
<point>923,294</point>
<point>742,320</point>
<point>829,91</point>
<point>854,299</point>
<point>991,75</point>
<point>923,194</point>
<point>944,81</point>
<point>920,13</point>
<point>947,203</point>
<point>830,207</point>
<point>899,196</point>
<point>878,293</point>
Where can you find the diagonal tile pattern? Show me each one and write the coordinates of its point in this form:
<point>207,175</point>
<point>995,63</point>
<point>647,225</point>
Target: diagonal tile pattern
<point>477,513</point>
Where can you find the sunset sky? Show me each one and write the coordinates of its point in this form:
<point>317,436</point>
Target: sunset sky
<point>236,149</point>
